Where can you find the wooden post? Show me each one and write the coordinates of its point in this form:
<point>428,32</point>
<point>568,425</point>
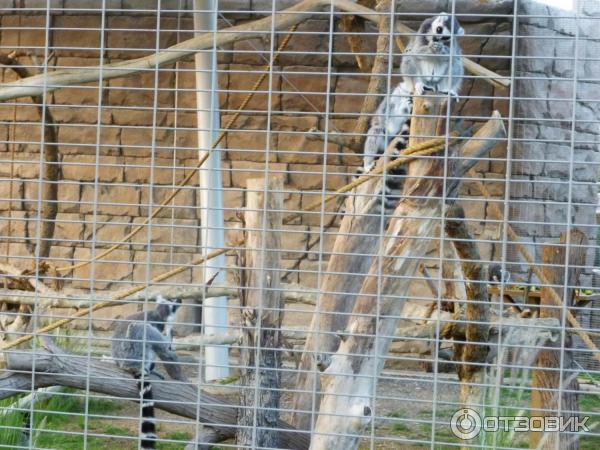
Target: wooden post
<point>546,381</point>
<point>346,405</point>
<point>471,339</point>
<point>262,311</point>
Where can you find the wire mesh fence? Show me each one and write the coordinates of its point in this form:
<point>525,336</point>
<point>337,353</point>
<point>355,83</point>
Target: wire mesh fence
<point>299,224</point>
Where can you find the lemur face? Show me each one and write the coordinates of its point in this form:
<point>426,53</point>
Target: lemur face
<point>167,307</point>
<point>440,29</point>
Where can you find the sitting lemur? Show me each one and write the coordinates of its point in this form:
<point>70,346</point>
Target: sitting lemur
<point>432,62</point>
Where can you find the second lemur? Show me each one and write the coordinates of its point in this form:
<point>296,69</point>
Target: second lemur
<point>432,62</point>
<point>137,341</point>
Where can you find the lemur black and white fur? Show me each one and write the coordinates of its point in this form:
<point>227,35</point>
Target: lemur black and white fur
<point>137,341</point>
<point>432,62</point>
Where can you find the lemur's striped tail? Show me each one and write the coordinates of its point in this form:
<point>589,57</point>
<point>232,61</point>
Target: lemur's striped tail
<point>148,426</point>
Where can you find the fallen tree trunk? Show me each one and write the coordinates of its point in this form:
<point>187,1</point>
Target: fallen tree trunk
<point>56,368</point>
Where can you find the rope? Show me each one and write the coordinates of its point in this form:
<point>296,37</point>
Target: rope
<point>198,166</point>
<point>424,149</point>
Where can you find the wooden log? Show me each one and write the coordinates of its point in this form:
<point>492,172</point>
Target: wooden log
<point>346,404</point>
<point>262,308</point>
<point>54,367</point>
<point>471,338</point>
<point>547,387</point>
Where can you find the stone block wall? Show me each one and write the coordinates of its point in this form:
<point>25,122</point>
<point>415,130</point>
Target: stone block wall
<point>124,146</point>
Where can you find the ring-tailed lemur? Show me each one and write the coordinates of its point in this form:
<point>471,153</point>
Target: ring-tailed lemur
<point>432,61</point>
<point>137,341</point>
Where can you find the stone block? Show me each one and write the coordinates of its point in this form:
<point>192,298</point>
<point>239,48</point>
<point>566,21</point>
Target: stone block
<point>311,273</point>
<point>83,168</point>
<point>307,176</point>
<point>242,170</point>
<point>82,140</point>
<point>294,240</point>
<point>27,32</point>
<point>248,141</point>
<point>233,202</point>
<point>19,254</point>
<point>108,230</point>
<point>141,142</point>
<point>27,137</point>
<point>312,216</point>
<point>521,187</point>
<point>133,36</point>
<point>478,103</point>
<point>547,188</point>
<point>528,158</point>
<point>69,228</point>
<point>294,147</point>
<point>241,81</point>
<point>349,93</point>
<point>107,273</point>
<point>555,219</point>
<point>166,234</point>
<point>143,90</point>
<point>309,46</point>
<point>255,52</point>
<point>183,205</point>
<point>474,208</point>
<point>148,265</point>
<point>11,192</point>
<point>61,255</point>
<point>68,197</point>
<point>527,218</point>
<point>13,226</point>
<point>304,88</point>
<point>77,36</point>
<point>71,6</point>
<point>114,200</point>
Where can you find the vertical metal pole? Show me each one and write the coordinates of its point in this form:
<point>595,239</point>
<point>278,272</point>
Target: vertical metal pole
<point>214,312</point>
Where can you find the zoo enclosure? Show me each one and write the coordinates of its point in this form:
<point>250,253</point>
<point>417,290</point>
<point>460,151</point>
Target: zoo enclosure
<point>123,144</point>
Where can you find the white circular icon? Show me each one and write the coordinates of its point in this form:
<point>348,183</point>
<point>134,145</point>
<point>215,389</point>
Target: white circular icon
<point>465,423</point>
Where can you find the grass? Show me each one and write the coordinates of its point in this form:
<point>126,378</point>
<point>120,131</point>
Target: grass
<point>59,423</point>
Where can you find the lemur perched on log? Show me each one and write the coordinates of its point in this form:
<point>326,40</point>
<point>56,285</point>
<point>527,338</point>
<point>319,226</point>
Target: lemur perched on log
<point>137,341</point>
<point>432,62</point>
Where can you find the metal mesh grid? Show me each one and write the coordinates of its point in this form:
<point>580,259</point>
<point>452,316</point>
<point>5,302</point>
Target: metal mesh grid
<point>102,201</point>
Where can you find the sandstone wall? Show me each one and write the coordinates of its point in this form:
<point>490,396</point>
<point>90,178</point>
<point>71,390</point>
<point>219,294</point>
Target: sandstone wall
<point>124,146</point>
